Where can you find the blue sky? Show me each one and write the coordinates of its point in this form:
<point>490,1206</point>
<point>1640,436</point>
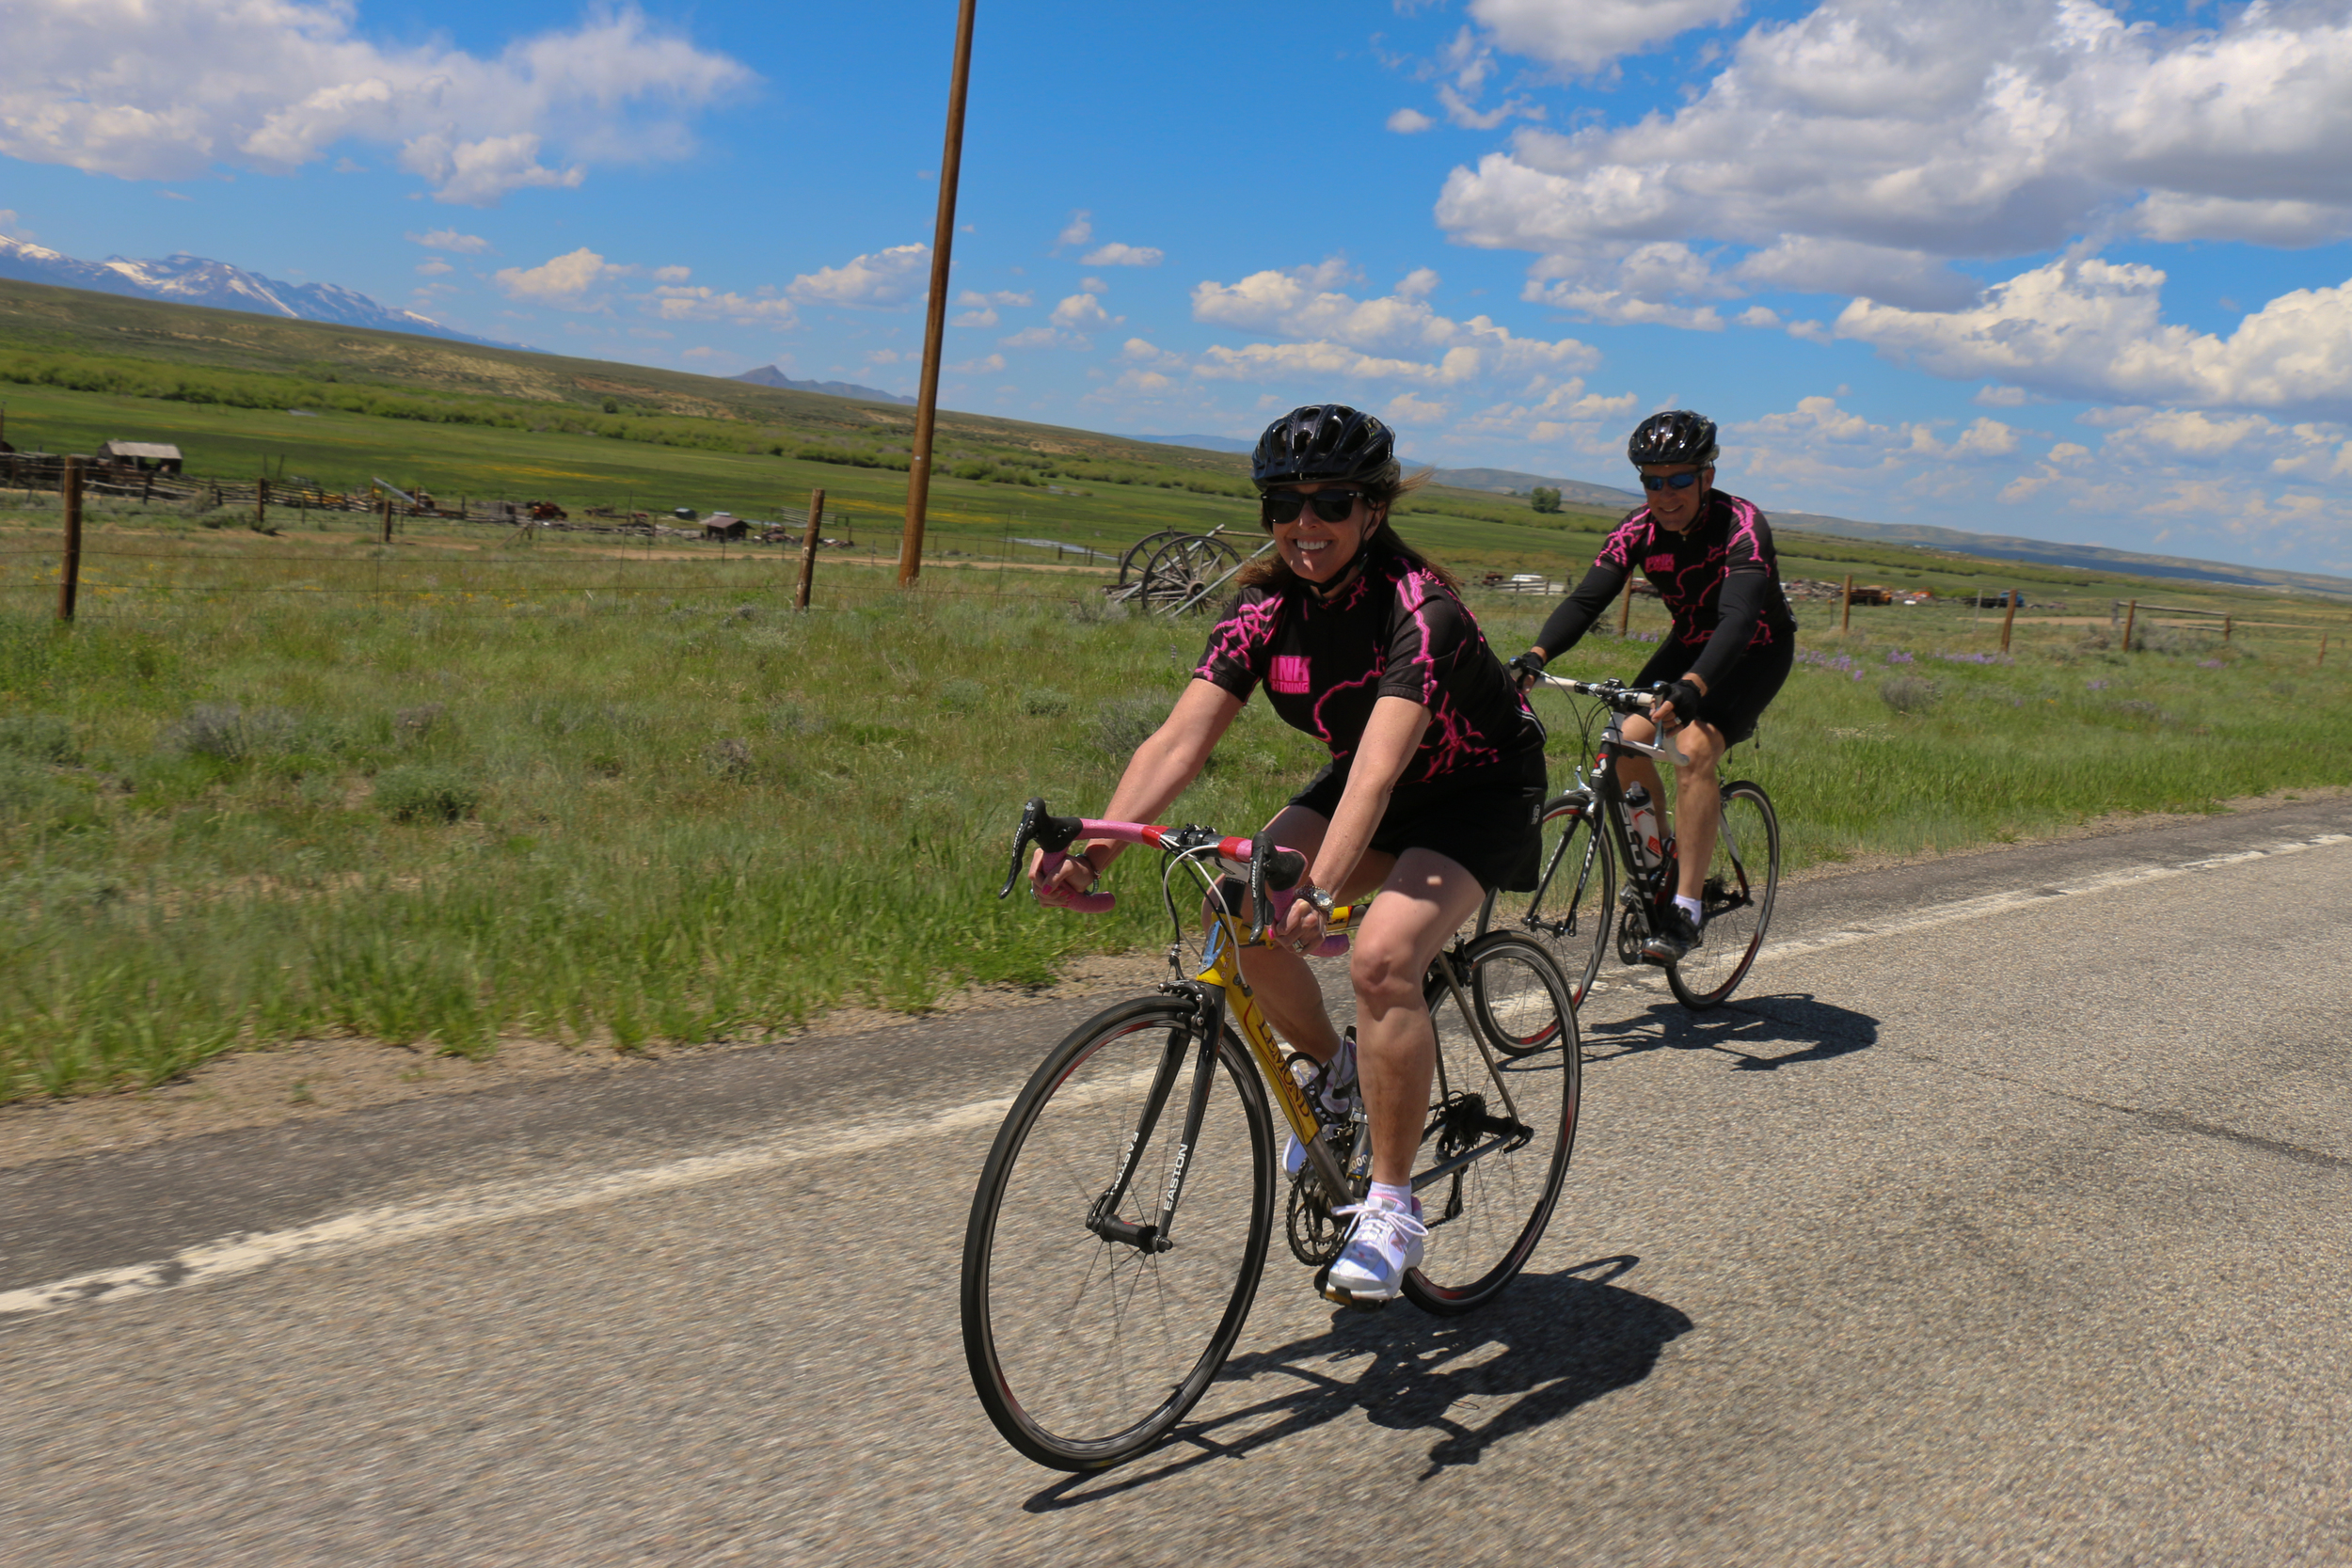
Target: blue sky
<point>2042,267</point>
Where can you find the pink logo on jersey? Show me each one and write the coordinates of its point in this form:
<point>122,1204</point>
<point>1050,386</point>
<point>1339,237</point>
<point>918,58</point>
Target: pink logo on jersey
<point>1659,563</point>
<point>1290,675</point>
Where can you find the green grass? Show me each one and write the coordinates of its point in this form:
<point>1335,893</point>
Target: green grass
<point>488,782</point>
<point>444,794</point>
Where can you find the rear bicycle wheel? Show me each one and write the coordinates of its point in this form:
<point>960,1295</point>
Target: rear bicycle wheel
<point>1742,876</point>
<point>1501,1122</point>
<point>1086,1349</point>
<point>1574,901</point>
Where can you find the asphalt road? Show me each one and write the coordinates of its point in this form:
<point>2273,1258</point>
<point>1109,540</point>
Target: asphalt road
<point>2006,1216</point>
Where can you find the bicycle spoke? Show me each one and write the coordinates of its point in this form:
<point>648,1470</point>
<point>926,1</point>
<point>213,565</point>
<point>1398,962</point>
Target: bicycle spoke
<point>1512,1077</point>
<point>1085,1347</point>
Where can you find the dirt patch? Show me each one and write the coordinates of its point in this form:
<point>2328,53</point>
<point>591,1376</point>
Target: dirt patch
<point>305,1080</point>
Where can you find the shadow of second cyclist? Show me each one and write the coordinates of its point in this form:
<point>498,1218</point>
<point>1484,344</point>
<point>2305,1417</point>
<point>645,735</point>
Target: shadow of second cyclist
<point>1549,1344</point>
<point>1753,1030</point>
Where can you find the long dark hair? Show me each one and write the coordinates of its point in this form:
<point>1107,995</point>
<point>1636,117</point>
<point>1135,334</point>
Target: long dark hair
<point>1272,571</point>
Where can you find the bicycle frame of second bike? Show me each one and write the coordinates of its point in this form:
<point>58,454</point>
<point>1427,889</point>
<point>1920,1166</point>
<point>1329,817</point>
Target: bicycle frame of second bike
<point>1645,892</point>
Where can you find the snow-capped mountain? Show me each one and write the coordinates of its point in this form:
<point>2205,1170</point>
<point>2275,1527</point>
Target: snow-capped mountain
<point>194,281</point>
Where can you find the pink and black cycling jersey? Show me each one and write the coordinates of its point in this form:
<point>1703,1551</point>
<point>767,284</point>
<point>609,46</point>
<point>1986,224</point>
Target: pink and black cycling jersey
<point>1720,580</point>
<point>1396,631</point>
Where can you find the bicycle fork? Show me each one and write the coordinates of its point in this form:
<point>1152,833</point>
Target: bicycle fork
<point>1156,1235</point>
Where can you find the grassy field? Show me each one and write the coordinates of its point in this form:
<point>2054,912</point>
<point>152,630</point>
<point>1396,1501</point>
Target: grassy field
<point>282,787</point>
<point>486,782</point>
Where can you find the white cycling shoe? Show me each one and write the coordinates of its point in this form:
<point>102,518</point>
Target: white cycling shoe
<point>1385,1241</point>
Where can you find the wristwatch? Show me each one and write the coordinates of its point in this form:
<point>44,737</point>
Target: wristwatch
<point>1320,899</point>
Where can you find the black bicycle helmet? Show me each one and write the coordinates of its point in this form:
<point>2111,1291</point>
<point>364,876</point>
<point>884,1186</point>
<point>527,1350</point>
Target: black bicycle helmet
<point>1676,435</point>
<point>1326,442</point>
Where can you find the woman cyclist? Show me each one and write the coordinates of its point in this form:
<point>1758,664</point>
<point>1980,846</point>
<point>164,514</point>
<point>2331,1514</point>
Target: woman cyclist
<point>1709,556</point>
<point>1433,794</point>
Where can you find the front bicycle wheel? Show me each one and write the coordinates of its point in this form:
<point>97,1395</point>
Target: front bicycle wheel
<point>1742,876</point>
<point>1501,1122</point>
<point>1088,1336</point>
<point>1575,897</point>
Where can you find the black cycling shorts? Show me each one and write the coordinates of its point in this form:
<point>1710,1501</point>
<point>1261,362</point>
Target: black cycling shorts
<point>1740,697</point>
<point>1488,822</point>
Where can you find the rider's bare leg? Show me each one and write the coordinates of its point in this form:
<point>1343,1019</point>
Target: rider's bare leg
<point>1424,899</point>
<point>1698,793</point>
<point>1283,981</point>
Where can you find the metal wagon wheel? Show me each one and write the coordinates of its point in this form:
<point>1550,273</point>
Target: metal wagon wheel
<point>1182,570</point>
<point>1139,555</point>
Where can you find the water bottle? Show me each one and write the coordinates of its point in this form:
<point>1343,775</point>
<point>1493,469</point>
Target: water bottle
<point>1648,849</point>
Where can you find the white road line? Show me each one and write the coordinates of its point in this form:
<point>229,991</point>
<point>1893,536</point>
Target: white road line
<point>369,1228</point>
<point>1998,903</point>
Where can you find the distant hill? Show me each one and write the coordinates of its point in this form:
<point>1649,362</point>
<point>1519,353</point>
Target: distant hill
<point>1575,492</point>
<point>186,280</point>
<point>1206,443</point>
<point>2098,558</point>
<point>768,376</point>
<point>1500,480</point>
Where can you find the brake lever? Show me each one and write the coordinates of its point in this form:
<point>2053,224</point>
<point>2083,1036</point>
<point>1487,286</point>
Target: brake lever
<point>1260,847</point>
<point>1031,814</point>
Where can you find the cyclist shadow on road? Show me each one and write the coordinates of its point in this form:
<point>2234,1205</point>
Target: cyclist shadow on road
<point>1547,1346</point>
<point>1752,1031</point>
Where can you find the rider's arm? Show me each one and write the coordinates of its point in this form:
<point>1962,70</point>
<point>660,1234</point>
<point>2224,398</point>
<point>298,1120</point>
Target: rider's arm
<point>1735,616</point>
<point>1572,615</point>
<point>1166,763</point>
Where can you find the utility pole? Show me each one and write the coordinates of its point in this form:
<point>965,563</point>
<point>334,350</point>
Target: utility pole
<point>935,323</point>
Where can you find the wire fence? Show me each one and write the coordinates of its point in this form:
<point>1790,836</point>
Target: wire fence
<point>415,553</point>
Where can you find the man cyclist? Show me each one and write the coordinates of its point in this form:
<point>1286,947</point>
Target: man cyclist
<point>1709,556</point>
<point>1434,794</point>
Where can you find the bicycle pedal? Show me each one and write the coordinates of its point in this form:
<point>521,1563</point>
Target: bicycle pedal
<point>1328,1292</point>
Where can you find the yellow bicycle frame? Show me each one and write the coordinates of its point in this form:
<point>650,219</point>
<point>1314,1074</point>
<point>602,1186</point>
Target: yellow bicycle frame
<point>1228,936</point>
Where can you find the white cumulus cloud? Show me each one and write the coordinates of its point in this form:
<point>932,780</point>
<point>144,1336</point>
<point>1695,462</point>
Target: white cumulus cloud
<point>1587,34</point>
<point>1303,303</point>
<point>1116,255</point>
<point>2093,329</point>
<point>451,240</point>
<point>1410,123</point>
<point>1860,147</point>
<point>174,91</point>
<point>879,280</point>
<point>569,281</point>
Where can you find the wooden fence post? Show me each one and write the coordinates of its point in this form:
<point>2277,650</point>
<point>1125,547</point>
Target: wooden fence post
<point>388,520</point>
<point>1845,620</point>
<point>1625,612</point>
<point>261,503</point>
<point>70,568</point>
<point>2225,629</point>
<point>808,548</point>
<point>2131,616</point>
<point>2008,619</point>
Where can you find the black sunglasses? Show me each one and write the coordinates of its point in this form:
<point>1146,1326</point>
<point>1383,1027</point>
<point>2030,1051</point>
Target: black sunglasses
<point>1669,482</point>
<point>1283,506</point>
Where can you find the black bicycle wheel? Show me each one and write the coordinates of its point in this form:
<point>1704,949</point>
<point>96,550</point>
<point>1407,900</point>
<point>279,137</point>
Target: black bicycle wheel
<point>1575,897</point>
<point>1085,1349</point>
<point>1512,1114</point>
<point>1742,876</point>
